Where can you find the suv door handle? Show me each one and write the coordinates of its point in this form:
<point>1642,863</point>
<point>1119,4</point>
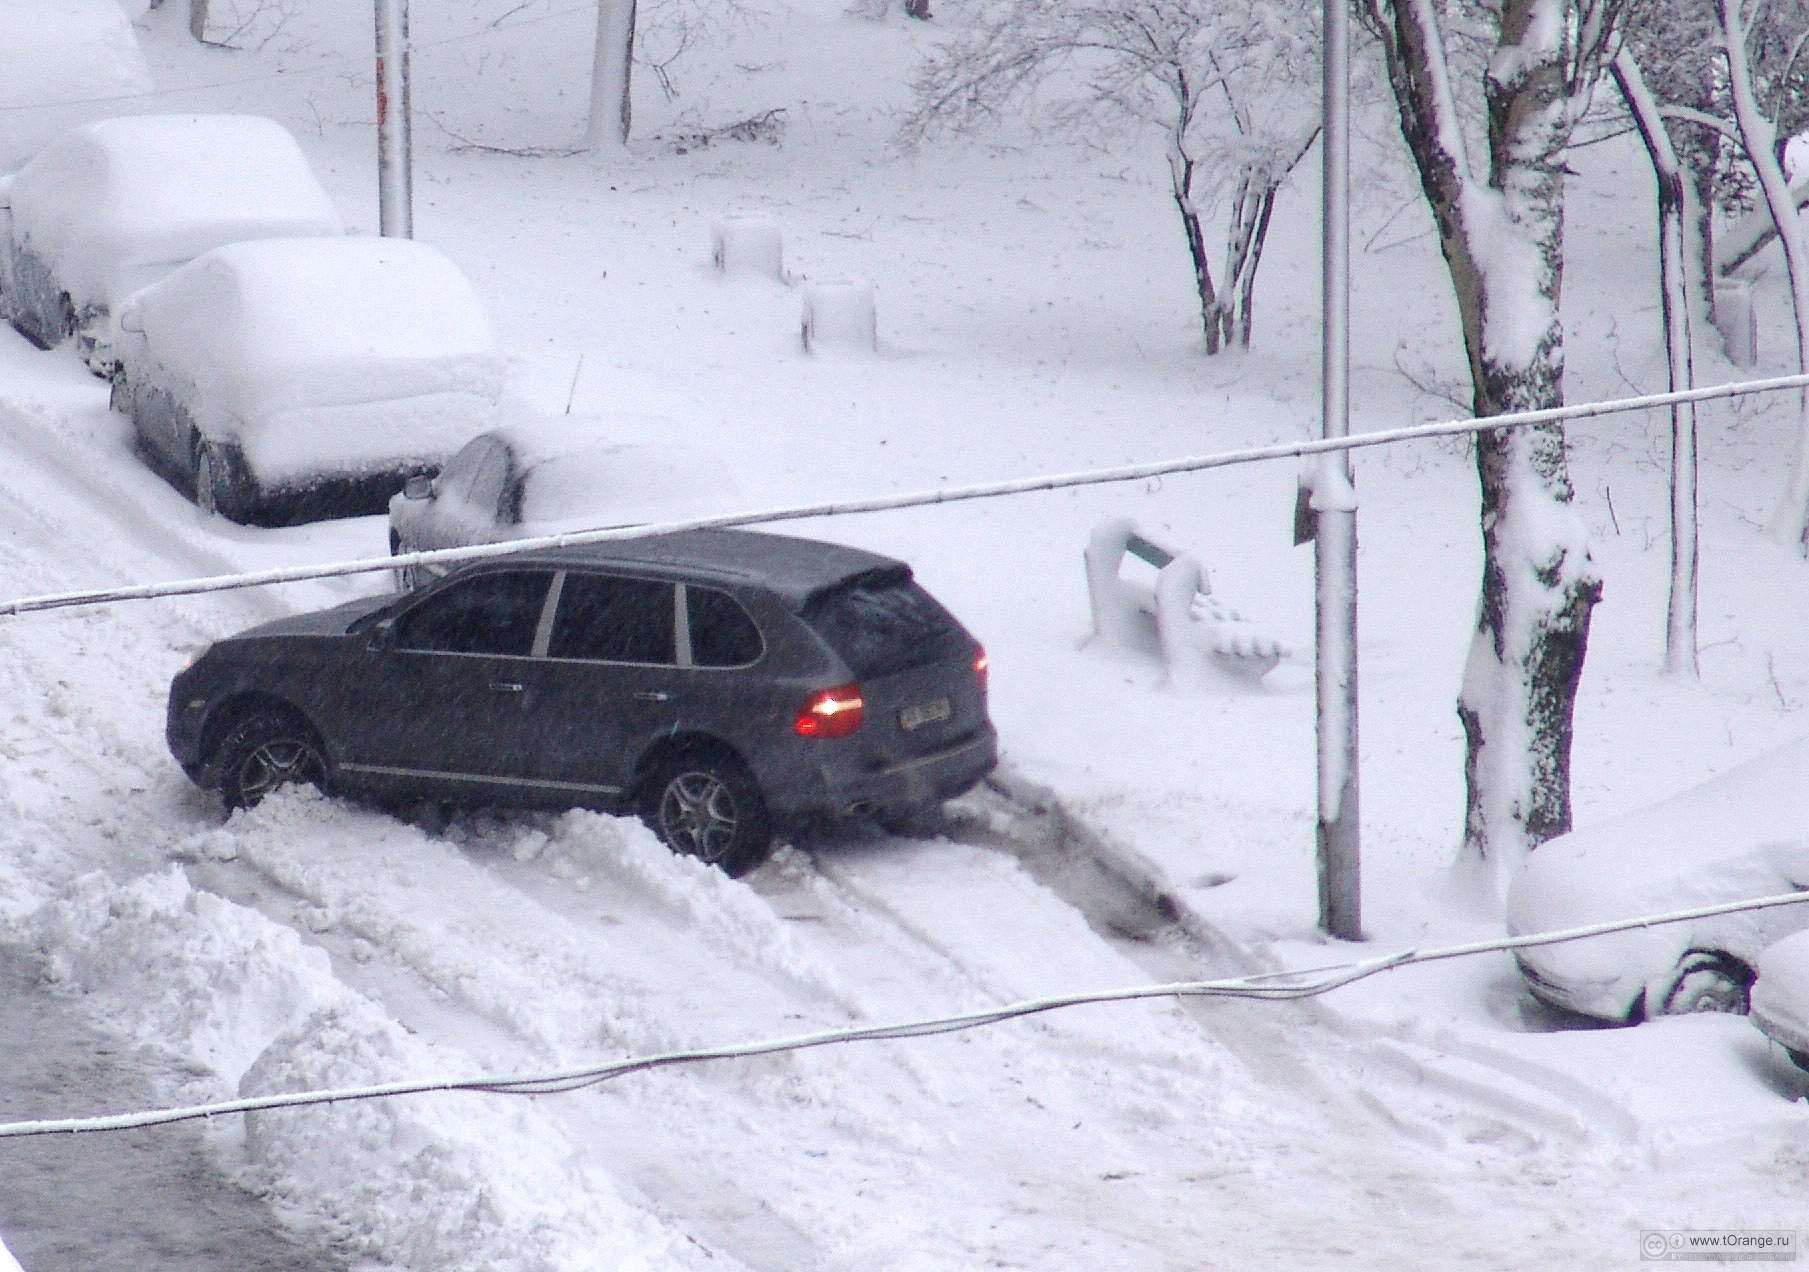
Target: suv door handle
<point>507,686</point>
<point>651,695</point>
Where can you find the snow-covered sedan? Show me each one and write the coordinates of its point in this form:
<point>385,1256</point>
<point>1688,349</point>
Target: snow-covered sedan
<point>1744,834</point>
<point>561,473</point>
<point>287,380</point>
<point>714,681</point>
<point>1780,996</point>
<point>119,203</point>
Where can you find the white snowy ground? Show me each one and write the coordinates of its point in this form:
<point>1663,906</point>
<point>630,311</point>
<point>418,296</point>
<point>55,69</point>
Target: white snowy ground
<point>1034,315</point>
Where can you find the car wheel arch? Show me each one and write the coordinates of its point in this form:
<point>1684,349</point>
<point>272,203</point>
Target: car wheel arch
<point>693,744</point>
<point>1662,996</point>
<point>233,711</point>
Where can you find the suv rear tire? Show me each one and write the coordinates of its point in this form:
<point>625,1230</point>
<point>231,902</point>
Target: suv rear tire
<point>708,806</point>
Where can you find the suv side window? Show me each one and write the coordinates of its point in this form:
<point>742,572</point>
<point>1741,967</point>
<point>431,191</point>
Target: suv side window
<point>603,618</point>
<point>494,613</point>
<point>722,634</point>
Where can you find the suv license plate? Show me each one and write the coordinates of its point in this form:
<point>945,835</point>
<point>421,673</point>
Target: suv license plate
<point>919,714</point>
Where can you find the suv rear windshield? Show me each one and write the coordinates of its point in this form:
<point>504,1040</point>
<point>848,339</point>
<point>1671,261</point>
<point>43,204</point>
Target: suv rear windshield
<point>881,622</point>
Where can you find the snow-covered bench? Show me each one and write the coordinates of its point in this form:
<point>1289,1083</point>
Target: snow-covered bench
<point>1192,625</point>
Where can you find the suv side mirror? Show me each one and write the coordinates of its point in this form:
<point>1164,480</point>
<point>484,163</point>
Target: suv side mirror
<point>420,486</point>
<point>382,633</point>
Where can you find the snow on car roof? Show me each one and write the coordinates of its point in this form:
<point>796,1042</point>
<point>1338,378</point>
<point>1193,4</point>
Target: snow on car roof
<point>162,189</point>
<point>52,57</point>
<point>319,321</point>
<point>1744,833</point>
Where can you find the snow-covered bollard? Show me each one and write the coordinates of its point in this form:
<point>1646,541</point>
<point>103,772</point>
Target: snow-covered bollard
<point>839,314</point>
<point>1735,319</point>
<point>745,246</point>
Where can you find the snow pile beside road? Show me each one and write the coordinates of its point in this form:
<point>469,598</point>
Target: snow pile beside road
<point>476,1183</point>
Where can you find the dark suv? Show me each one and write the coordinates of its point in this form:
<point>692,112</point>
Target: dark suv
<point>714,681</point>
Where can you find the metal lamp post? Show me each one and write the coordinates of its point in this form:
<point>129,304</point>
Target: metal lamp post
<point>1335,543</point>
<point>395,163</point>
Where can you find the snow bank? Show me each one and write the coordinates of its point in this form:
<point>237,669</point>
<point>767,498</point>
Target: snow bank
<point>59,60</point>
<point>117,203</point>
<point>412,1183</point>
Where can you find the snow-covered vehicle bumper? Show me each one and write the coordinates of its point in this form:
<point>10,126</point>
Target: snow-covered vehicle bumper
<point>1780,996</point>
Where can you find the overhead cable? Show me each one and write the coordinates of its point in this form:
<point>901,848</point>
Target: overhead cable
<point>887,503</point>
<point>1280,986</point>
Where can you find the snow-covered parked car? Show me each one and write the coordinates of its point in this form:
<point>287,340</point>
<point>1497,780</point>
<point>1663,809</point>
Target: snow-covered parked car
<point>58,62</point>
<point>553,475</point>
<point>287,380</point>
<point>119,203</point>
<point>1744,834</point>
<point>1780,996</point>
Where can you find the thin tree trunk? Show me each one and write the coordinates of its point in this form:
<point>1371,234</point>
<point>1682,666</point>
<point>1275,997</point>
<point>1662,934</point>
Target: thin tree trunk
<point>1675,216</point>
<point>1790,522</point>
<point>611,112</point>
<point>1180,170</point>
<point>1245,284</point>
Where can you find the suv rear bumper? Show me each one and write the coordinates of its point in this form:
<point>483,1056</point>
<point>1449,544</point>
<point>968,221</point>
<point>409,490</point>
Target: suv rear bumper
<point>920,782</point>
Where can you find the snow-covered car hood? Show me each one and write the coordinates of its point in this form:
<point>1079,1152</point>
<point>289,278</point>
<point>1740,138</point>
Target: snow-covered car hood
<point>1743,834</point>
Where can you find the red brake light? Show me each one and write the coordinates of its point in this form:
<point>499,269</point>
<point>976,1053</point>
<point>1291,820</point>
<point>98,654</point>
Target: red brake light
<point>833,713</point>
<point>980,666</point>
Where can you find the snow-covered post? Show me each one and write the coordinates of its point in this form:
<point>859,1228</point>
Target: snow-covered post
<point>748,245</point>
<point>395,161</point>
<point>612,62</point>
<point>1335,543</point>
<point>839,314</point>
<point>1736,321</point>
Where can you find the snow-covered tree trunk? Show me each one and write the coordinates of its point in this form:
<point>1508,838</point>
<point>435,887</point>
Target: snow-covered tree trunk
<point>610,111</point>
<point>1180,174</point>
<point>1502,237</point>
<point>1759,138</point>
<point>1678,220</point>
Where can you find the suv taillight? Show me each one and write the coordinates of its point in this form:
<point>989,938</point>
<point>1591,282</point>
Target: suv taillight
<point>833,713</point>
<point>980,666</point>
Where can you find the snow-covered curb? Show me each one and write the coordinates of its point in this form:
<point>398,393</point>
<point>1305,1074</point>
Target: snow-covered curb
<point>1120,861</point>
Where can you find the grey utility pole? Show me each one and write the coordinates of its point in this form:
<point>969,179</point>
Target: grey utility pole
<point>1335,543</point>
<point>395,163</point>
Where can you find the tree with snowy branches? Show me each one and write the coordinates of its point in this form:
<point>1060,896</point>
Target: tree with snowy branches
<point>1232,90</point>
<point>1494,180</point>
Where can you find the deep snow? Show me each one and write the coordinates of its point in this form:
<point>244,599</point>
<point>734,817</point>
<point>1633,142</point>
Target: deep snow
<point>1034,315</point>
